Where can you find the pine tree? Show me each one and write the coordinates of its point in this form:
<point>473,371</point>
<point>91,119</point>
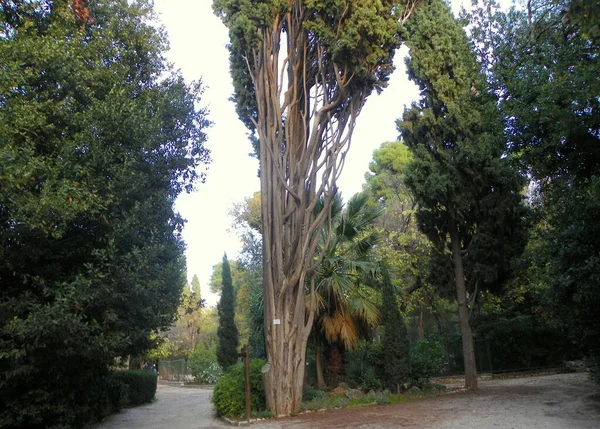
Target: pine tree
<point>395,337</point>
<point>468,196</point>
<point>227,350</point>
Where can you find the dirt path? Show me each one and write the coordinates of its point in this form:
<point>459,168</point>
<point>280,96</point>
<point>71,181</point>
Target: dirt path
<point>559,401</point>
<point>173,408</point>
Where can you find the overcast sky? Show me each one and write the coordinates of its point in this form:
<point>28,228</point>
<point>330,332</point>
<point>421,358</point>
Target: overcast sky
<point>198,39</point>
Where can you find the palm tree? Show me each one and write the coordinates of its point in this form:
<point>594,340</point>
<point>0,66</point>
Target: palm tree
<point>344,303</point>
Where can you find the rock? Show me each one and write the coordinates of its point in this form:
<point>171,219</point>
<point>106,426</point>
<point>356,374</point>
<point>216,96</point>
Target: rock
<point>338,391</point>
<point>371,393</point>
<point>438,386</point>
<point>386,392</point>
<point>353,393</point>
<point>575,365</point>
<point>343,385</point>
<point>413,391</point>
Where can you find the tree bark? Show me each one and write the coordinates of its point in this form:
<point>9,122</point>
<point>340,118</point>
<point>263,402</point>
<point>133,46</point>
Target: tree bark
<point>319,367</point>
<point>463,311</point>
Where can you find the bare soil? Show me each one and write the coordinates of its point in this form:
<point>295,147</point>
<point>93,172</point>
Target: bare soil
<point>549,402</point>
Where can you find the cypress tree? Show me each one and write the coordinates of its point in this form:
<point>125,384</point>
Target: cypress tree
<point>395,337</point>
<point>468,196</point>
<point>227,350</point>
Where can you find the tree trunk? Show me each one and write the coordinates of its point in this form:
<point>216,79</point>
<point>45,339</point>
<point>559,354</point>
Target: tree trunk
<point>319,367</point>
<point>420,330</point>
<point>334,373</point>
<point>463,311</point>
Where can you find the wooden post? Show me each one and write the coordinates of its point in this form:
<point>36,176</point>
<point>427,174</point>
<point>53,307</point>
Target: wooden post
<point>248,391</point>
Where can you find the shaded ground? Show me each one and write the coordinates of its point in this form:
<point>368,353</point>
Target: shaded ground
<point>549,402</point>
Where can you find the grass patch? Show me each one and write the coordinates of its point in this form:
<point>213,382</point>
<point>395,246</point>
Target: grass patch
<point>327,402</point>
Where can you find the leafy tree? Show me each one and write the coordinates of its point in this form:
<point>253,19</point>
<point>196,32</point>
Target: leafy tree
<point>395,337</point>
<point>215,282</point>
<point>545,69</point>
<point>227,350</point>
<point>98,136</point>
<point>405,249</point>
<point>182,336</point>
<point>302,71</point>
<point>468,196</point>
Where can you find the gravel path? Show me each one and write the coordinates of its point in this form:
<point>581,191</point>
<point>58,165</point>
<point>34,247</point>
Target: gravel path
<point>568,401</point>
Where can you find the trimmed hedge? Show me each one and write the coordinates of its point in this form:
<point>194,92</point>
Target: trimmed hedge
<point>141,385</point>
<point>229,392</point>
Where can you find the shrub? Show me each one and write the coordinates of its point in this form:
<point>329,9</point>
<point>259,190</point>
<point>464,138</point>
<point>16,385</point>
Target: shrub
<point>309,393</point>
<point>427,359</point>
<point>141,385</point>
<point>364,366</point>
<point>370,381</point>
<point>204,366</point>
<point>229,392</point>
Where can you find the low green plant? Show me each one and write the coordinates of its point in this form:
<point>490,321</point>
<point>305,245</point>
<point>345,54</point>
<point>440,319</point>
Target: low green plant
<point>204,366</point>
<point>315,404</point>
<point>364,366</point>
<point>141,385</point>
<point>370,381</point>
<point>427,359</point>
<point>309,393</point>
<point>381,399</point>
<point>229,392</point>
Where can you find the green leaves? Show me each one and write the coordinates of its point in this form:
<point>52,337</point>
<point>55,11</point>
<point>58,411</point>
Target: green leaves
<point>98,136</point>
<point>458,172</point>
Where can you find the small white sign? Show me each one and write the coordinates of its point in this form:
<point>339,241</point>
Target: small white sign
<point>276,322</point>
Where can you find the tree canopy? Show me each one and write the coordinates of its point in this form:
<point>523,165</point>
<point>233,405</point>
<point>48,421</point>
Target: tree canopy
<point>98,136</point>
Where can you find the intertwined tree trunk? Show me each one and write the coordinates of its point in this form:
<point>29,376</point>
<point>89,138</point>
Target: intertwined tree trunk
<point>302,73</point>
<point>300,157</point>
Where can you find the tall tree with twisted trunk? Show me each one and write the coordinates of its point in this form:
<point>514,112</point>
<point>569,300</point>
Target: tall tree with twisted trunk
<point>302,70</point>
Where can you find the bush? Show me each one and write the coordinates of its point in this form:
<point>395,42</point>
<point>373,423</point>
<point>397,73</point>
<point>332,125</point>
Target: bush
<point>364,366</point>
<point>370,381</point>
<point>204,366</point>
<point>427,359</point>
<point>309,393</point>
<point>141,385</point>
<point>229,392</point>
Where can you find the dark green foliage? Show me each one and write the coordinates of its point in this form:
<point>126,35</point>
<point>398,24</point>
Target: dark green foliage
<point>366,364</point>
<point>309,393</point>
<point>426,359</point>
<point>523,341</point>
<point>396,357</point>
<point>458,173</point>
<point>141,385</point>
<point>229,392</point>
<point>227,349</point>
<point>544,64</point>
<point>98,136</point>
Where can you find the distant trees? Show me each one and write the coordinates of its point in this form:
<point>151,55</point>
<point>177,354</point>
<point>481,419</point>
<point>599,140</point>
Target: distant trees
<point>468,195</point>
<point>227,349</point>
<point>98,137</point>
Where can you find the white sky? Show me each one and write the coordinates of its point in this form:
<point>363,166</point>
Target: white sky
<point>198,38</point>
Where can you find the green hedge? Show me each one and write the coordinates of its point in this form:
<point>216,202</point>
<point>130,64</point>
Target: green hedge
<point>229,392</point>
<point>141,385</point>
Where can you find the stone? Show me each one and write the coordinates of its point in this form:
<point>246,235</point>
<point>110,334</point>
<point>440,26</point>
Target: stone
<point>353,393</point>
